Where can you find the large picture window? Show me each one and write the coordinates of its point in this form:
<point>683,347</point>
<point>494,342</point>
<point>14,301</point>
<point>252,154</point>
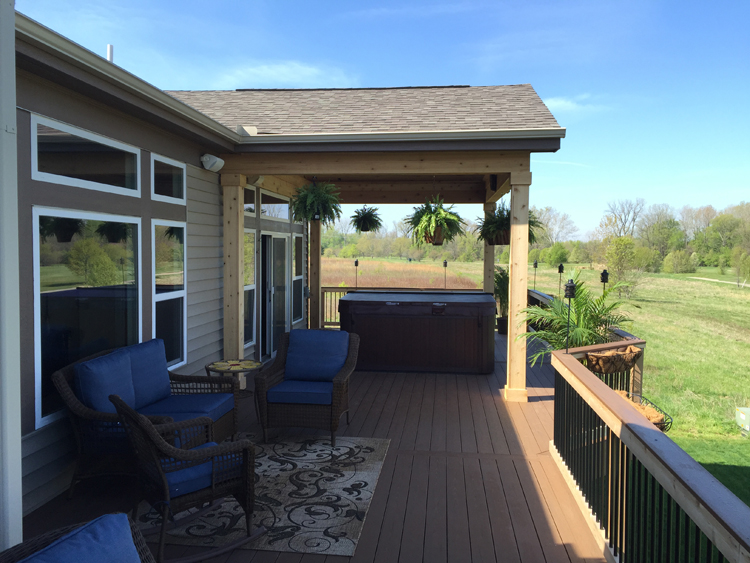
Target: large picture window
<point>167,179</point>
<point>87,298</point>
<point>249,201</point>
<point>274,206</point>
<point>66,155</point>
<point>297,279</point>
<point>249,276</point>
<point>170,295</point>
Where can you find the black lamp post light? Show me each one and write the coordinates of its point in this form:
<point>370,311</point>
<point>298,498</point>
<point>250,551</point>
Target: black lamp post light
<point>356,271</point>
<point>604,278</point>
<point>570,294</point>
<point>536,265</point>
<point>561,271</point>
<point>445,274</point>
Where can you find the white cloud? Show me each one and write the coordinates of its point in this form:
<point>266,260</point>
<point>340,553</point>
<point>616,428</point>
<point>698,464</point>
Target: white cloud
<point>577,104</point>
<point>284,74</point>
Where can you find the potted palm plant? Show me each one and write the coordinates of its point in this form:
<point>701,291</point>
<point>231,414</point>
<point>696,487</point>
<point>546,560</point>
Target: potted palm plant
<point>495,227</point>
<point>434,223</point>
<point>366,219</point>
<point>592,320</point>
<point>502,281</point>
<point>317,202</point>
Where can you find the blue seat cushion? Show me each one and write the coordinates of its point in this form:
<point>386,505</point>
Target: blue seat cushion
<point>108,538</point>
<point>191,479</point>
<point>148,363</point>
<point>316,355</point>
<point>213,405</point>
<point>97,379</point>
<point>301,392</point>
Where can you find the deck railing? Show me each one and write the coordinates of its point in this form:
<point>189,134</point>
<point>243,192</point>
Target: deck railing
<point>646,498</point>
<point>331,296</point>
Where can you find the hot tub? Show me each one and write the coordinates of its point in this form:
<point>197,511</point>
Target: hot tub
<point>420,331</point>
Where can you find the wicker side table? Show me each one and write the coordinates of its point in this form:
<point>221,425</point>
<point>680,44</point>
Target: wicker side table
<point>238,368</point>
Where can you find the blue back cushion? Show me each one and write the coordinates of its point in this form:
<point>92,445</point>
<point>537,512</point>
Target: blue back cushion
<point>148,362</point>
<point>97,379</point>
<point>108,538</point>
<point>316,355</point>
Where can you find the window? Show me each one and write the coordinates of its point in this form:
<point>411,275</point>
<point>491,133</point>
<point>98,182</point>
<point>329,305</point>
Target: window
<point>86,294</point>
<point>62,154</point>
<point>249,274</point>
<point>274,206</point>
<point>249,195</point>
<point>167,180</point>
<point>297,278</point>
<point>170,296</point>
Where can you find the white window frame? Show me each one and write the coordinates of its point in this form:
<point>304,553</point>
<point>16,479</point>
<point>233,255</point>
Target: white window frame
<point>176,164</point>
<point>259,209</point>
<point>158,298</point>
<point>253,286</point>
<point>37,212</point>
<point>256,190</point>
<point>295,236</point>
<point>36,174</point>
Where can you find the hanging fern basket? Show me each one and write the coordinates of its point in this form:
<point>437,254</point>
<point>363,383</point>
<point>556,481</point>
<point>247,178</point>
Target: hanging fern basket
<point>501,238</point>
<point>436,238</point>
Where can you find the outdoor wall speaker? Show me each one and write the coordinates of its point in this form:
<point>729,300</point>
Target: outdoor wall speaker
<point>211,162</point>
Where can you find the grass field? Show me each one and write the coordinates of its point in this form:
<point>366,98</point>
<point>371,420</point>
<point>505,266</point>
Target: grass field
<point>697,361</point>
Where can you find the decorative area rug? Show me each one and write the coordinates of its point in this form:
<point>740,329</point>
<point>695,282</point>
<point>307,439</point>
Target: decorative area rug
<point>311,498</point>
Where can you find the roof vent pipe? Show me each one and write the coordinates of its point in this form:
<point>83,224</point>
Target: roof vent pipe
<point>111,53</point>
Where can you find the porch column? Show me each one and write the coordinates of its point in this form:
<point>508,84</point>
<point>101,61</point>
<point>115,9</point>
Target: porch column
<point>515,386</point>
<point>11,490</point>
<point>315,247</point>
<point>488,284</point>
<point>234,265</point>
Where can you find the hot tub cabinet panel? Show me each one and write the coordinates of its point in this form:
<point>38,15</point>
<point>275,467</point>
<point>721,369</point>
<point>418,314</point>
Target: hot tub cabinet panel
<point>426,332</point>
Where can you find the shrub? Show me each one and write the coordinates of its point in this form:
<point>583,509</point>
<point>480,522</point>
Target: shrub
<point>505,256</point>
<point>557,254</point>
<point>533,255</point>
<point>678,262</point>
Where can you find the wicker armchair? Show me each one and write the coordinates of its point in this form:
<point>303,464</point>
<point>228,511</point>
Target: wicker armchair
<point>30,547</point>
<point>101,443</point>
<point>170,476</point>
<point>320,416</point>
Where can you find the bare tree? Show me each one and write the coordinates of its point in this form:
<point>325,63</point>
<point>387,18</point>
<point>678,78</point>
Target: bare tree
<point>558,227</point>
<point>657,227</point>
<point>344,226</point>
<point>401,228</point>
<point>625,214</point>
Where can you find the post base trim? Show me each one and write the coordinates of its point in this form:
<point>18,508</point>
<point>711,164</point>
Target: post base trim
<point>515,395</point>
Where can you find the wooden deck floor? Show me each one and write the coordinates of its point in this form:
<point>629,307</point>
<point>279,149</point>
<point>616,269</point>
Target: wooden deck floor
<point>467,478</point>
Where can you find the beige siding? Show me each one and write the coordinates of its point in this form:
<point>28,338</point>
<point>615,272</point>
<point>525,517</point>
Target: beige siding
<point>204,270</point>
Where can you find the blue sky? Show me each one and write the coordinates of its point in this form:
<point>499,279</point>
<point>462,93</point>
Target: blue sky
<point>654,95</point>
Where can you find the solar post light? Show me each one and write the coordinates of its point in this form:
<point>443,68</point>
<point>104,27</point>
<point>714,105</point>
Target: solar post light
<point>561,271</point>
<point>445,274</point>
<point>356,277</point>
<point>570,294</point>
<point>536,265</point>
<point>604,278</point>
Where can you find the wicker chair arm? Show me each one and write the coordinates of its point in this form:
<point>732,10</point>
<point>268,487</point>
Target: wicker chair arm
<point>267,379</point>
<point>188,433</point>
<point>351,360</point>
<point>204,454</point>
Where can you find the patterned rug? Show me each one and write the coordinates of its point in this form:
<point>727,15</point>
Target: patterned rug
<point>311,498</point>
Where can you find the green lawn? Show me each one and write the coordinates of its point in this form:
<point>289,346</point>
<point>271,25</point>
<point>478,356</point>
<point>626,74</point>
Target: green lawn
<point>697,361</point>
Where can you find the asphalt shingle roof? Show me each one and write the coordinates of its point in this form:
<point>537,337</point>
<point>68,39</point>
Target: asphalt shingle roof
<point>373,110</point>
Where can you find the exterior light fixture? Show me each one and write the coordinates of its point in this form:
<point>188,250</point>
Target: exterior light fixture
<point>570,294</point>
<point>445,274</point>
<point>536,265</point>
<point>561,271</point>
<point>356,271</point>
<point>604,278</point>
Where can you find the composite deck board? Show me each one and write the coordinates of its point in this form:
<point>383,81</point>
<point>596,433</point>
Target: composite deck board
<point>467,476</point>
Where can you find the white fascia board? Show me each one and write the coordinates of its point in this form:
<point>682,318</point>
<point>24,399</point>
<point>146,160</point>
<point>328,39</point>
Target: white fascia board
<point>388,136</point>
<point>37,34</point>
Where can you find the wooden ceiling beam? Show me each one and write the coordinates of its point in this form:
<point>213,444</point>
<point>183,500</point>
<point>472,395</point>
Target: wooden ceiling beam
<point>406,186</point>
<point>502,187</point>
<point>443,162</point>
<point>415,197</point>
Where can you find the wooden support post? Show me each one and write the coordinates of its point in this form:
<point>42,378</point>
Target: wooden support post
<point>515,386</point>
<point>234,265</point>
<point>488,284</point>
<point>315,250</point>
<point>636,376</point>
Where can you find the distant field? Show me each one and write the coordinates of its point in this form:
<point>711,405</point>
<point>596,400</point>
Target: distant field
<point>697,361</point>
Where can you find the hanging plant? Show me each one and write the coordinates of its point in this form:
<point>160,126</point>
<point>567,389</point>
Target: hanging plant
<point>317,202</point>
<point>366,219</point>
<point>63,228</point>
<point>114,232</point>
<point>502,296</point>
<point>434,223</point>
<point>495,227</point>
